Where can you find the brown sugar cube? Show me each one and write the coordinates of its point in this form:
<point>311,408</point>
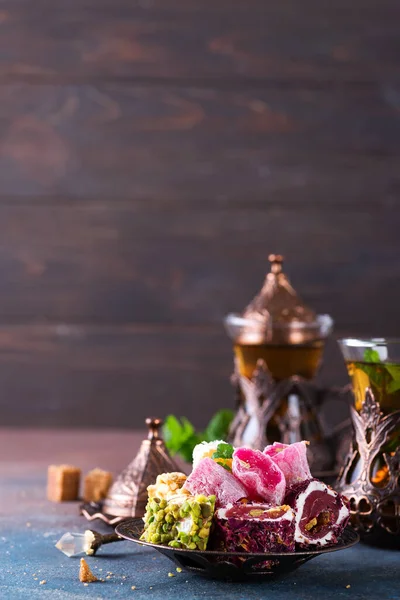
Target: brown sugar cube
<point>85,574</point>
<point>63,483</point>
<point>96,485</point>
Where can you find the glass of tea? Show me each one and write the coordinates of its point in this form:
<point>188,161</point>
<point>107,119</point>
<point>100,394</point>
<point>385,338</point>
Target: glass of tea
<point>293,348</point>
<point>278,329</point>
<point>287,349</point>
<point>375,364</point>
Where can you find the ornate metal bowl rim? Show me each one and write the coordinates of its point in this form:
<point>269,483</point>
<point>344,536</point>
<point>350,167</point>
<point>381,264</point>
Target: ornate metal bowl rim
<point>123,530</point>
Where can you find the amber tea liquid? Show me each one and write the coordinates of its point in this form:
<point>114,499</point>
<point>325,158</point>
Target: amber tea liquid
<point>384,381</point>
<point>283,361</point>
<point>382,378</point>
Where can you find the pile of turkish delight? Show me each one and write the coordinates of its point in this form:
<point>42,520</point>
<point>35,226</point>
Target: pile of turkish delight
<point>245,500</point>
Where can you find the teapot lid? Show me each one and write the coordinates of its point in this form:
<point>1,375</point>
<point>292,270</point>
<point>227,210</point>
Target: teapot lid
<point>277,315</point>
<point>277,302</point>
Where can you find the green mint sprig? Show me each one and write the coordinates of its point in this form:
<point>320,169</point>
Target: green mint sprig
<point>181,437</point>
<point>385,377</point>
<point>224,451</point>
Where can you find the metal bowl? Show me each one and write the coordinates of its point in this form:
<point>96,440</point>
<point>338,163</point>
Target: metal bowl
<point>234,566</point>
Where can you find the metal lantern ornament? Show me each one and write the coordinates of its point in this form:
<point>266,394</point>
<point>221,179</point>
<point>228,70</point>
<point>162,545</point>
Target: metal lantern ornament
<point>127,496</point>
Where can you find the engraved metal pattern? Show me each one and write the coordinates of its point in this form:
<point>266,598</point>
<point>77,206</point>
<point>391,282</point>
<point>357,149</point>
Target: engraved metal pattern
<point>234,566</point>
<point>277,299</point>
<point>260,401</point>
<point>128,495</point>
<point>374,509</point>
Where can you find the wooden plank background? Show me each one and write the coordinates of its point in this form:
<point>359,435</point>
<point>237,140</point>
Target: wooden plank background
<point>152,154</point>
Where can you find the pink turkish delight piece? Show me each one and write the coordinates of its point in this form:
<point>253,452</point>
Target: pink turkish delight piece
<point>209,478</point>
<point>291,459</point>
<point>261,477</point>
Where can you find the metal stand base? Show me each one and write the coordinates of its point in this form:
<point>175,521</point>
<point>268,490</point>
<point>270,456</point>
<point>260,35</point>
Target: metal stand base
<point>285,411</point>
<point>374,501</point>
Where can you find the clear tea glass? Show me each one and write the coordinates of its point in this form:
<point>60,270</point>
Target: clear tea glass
<point>288,349</point>
<point>375,364</point>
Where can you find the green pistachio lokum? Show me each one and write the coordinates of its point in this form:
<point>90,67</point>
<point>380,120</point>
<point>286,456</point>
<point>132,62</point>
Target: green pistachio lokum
<point>181,522</point>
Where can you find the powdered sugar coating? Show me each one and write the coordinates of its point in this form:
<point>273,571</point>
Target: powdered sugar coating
<point>204,450</point>
<point>262,478</point>
<point>291,459</point>
<point>209,478</point>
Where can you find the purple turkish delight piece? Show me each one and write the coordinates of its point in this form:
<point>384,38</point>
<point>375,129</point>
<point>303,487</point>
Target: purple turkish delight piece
<point>209,478</point>
<point>261,477</point>
<point>321,514</point>
<point>291,459</point>
<point>254,528</point>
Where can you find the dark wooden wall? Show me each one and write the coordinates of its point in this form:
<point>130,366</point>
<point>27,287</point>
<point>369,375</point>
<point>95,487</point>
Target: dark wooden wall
<point>152,154</point>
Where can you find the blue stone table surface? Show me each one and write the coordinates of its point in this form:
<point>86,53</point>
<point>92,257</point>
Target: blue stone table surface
<point>30,526</point>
